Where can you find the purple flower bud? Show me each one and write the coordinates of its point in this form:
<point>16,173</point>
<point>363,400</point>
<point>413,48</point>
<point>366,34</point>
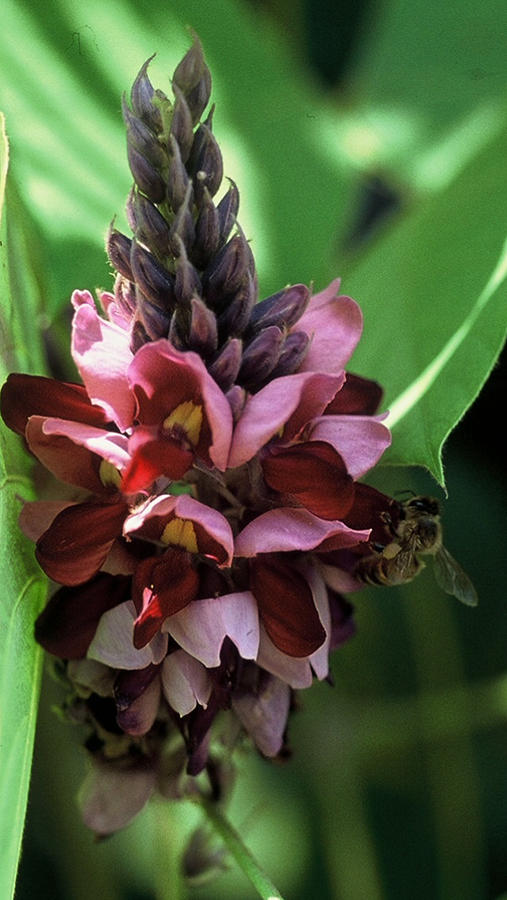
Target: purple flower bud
<point>118,247</point>
<point>227,271</point>
<point>283,308</point>
<point>150,226</point>
<point>225,367</point>
<point>293,353</point>
<point>152,279</point>
<point>147,178</point>
<point>154,319</point>
<point>207,232</point>
<point>182,230</point>
<point>187,282</point>
<point>178,179</point>
<point>205,162</point>
<point>142,138</point>
<point>181,125</point>
<point>260,357</point>
<point>236,315</point>
<point>236,397</point>
<point>228,210</point>
<point>203,336</point>
<point>141,98</point>
<point>193,78</point>
<point>124,292</point>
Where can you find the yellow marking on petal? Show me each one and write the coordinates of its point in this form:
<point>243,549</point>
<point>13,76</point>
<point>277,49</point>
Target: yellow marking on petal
<point>109,474</point>
<point>187,416</point>
<point>180,533</point>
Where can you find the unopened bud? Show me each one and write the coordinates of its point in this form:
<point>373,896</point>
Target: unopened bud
<point>203,328</point>
<point>283,308</point>
<point>118,247</point>
<point>155,320</point>
<point>187,281</point>
<point>178,179</point>
<point>207,232</point>
<point>181,124</point>
<point>141,97</point>
<point>227,271</point>
<point>224,369</point>
<point>205,162</point>
<point>182,231</point>
<point>236,315</point>
<point>227,211</point>
<point>150,226</point>
<point>294,350</point>
<point>260,357</point>
<point>193,78</point>
<point>152,279</point>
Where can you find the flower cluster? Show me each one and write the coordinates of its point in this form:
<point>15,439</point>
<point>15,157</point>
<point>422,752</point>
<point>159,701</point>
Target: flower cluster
<point>213,454</point>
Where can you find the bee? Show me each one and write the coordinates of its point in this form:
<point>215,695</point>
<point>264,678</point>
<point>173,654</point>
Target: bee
<point>417,533</point>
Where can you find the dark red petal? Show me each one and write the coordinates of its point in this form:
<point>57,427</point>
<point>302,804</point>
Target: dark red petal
<point>314,474</point>
<point>370,509</point>
<point>153,458</point>
<point>67,625</point>
<point>358,396</point>
<point>162,585</point>
<point>33,395</point>
<point>286,607</point>
<point>77,542</point>
<point>66,460</point>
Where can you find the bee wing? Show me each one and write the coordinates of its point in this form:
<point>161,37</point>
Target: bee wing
<point>452,579</point>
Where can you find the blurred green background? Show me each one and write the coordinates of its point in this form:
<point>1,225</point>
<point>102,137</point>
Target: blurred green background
<point>347,126</point>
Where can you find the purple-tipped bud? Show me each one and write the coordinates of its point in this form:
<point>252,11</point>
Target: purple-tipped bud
<point>294,350</point>
<point>224,369</point>
<point>202,336</point>
<point>142,96</point>
<point>237,397</point>
<point>155,320</point>
<point>283,308</point>
<point>207,232</point>
<point>187,281</point>
<point>142,138</point>
<point>147,178</point>
<point>193,78</point>
<point>155,283</point>
<point>125,295</point>
<point>181,125</point>
<point>260,357</point>
<point>205,162</point>
<point>178,179</point>
<point>236,315</point>
<point>182,230</point>
<point>227,211</point>
<point>118,247</point>
<point>227,271</point>
<point>150,226</point>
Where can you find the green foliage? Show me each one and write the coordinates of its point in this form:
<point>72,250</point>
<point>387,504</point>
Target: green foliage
<point>23,591</point>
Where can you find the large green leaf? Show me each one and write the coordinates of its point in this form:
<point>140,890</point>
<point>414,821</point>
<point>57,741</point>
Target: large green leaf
<point>434,296</point>
<point>23,591</point>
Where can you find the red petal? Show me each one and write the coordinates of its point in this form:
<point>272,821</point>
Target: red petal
<point>358,396</point>
<point>162,585</point>
<point>67,625</point>
<point>33,395</point>
<point>77,542</point>
<point>314,474</point>
<point>152,458</point>
<point>286,607</point>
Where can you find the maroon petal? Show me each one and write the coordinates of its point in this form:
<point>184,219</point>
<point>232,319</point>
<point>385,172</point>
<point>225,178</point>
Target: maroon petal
<point>314,474</point>
<point>286,607</point>
<point>33,395</point>
<point>371,509</point>
<point>68,623</point>
<point>358,396</point>
<point>65,459</point>
<point>77,542</point>
<point>161,587</point>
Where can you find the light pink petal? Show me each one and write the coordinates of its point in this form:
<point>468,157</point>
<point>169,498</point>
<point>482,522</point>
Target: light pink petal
<point>334,325</point>
<point>320,659</point>
<point>90,675</point>
<point>185,682</point>
<point>295,671</point>
<point>102,355</point>
<point>286,529</point>
<point>138,718</point>
<point>37,515</point>
<point>113,312</point>
<point>111,797</point>
<point>109,445</point>
<point>340,581</point>
<point>360,440</point>
<point>113,643</point>
<point>200,628</point>
<point>291,401</point>
<point>156,373</point>
<point>264,716</point>
<point>147,522</point>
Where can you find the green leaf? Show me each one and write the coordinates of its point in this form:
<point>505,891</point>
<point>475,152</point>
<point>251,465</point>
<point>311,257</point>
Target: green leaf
<point>433,294</point>
<point>23,591</point>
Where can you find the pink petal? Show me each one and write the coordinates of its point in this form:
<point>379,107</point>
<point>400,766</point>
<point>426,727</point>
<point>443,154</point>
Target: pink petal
<point>291,401</point>
<point>264,716</point>
<point>111,797</point>
<point>295,671</point>
<point>360,440</point>
<point>185,682</point>
<point>113,643</point>
<point>109,445</point>
<point>201,627</point>
<point>283,530</point>
<point>213,532</point>
<point>140,715</point>
<point>102,355</point>
<point>334,324</point>
<point>69,463</point>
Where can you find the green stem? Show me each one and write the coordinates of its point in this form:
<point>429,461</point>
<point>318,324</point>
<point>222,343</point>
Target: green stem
<point>241,854</point>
